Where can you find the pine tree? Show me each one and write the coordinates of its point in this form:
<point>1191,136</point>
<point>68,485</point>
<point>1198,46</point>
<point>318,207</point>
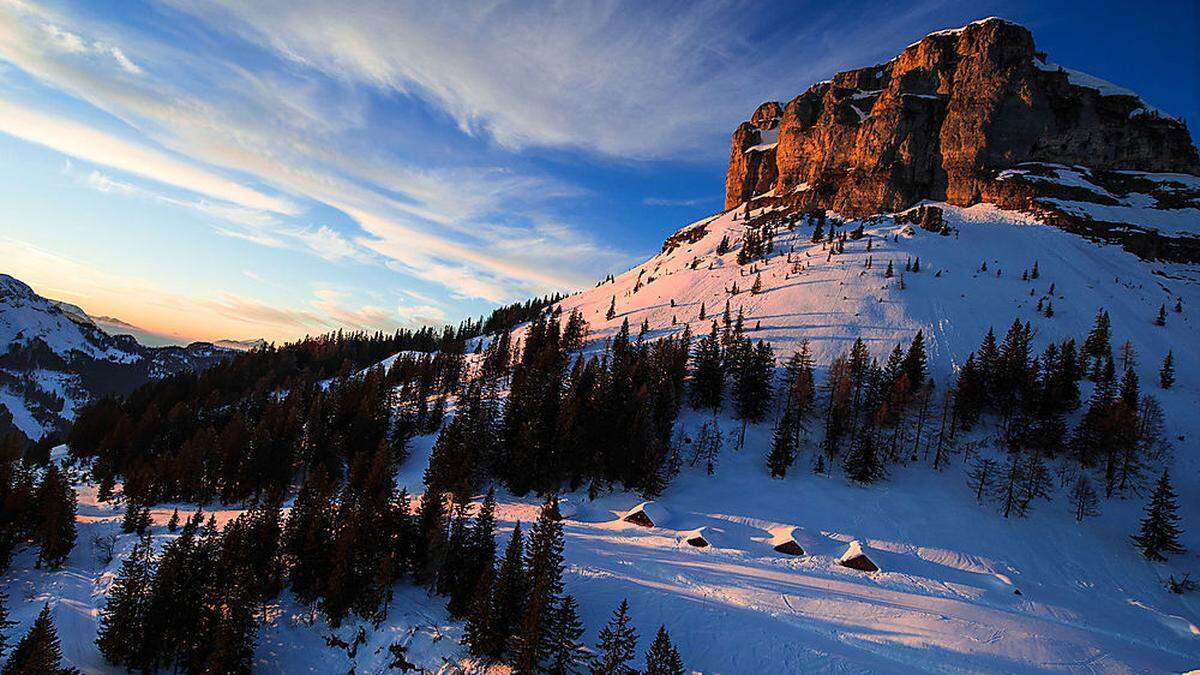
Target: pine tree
<point>122,632</point>
<point>752,381</point>
<point>543,569</point>
<point>969,393</point>
<point>432,523</point>
<point>708,375</point>
<point>1160,531</point>
<point>1161,319</point>
<point>55,519</point>
<point>783,444</point>
<point>801,386</point>
<point>566,653</point>
<point>173,523</point>
<point>617,646</point>
<point>915,360</point>
<point>508,595</point>
<point>861,464</point>
<point>756,288</point>
<point>479,553</point>
<point>1166,374</point>
<point>1097,345</point>
<point>1084,501</point>
<point>612,309</point>
<point>457,557</point>
<point>180,591</point>
<point>890,272</point>
<point>479,633</point>
<point>234,634</point>
<point>308,535</point>
<point>4,623</point>
<point>39,651</point>
<point>662,658</point>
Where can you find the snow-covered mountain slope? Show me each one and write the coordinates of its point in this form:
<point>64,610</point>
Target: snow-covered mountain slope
<point>834,300</point>
<point>55,358</point>
<point>28,317</point>
<point>960,588</point>
<point>946,596</point>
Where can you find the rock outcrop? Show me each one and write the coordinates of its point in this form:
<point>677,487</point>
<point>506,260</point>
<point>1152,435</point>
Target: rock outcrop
<point>941,121</point>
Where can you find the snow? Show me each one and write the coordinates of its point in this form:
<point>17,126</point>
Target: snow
<point>956,31</point>
<point>946,597</point>
<point>1169,180</point>
<point>1077,176</point>
<point>767,140</point>
<point>657,513</point>
<point>1104,87</point>
<point>1170,222</point>
<point>833,303</point>
<point>21,415</point>
<point>27,316</point>
<point>1135,208</point>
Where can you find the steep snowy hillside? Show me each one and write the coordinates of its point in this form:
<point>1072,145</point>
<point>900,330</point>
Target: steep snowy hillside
<point>960,588</point>
<point>832,300</point>
<point>54,358</point>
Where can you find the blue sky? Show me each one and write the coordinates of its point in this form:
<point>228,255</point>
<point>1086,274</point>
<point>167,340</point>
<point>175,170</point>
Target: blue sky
<point>218,168</point>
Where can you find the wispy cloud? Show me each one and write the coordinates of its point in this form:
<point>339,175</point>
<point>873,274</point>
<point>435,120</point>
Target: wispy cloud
<point>74,44</point>
<point>303,136</point>
<point>85,142</point>
<point>631,79</point>
<point>281,112</point>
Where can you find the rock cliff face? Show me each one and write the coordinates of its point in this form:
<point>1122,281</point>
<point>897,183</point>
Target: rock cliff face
<point>942,121</point>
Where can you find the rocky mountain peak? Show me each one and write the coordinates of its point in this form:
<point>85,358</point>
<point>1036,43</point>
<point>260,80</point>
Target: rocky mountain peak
<point>941,121</point>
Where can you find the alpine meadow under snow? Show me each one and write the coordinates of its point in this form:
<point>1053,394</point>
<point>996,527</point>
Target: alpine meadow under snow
<point>943,439</point>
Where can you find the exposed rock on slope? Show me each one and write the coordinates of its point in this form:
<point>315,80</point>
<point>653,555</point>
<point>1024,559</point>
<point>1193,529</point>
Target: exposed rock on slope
<point>942,121</point>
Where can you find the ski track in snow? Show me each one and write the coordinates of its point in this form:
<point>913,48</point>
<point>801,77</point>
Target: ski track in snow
<point>945,599</point>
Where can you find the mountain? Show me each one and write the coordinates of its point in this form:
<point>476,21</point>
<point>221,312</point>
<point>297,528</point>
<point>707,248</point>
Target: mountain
<point>750,572</point>
<point>241,345</point>
<point>973,115</point>
<point>115,326</point>
<point>56,358</point>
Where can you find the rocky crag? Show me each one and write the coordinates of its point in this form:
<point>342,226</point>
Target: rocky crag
<point>970,115</point>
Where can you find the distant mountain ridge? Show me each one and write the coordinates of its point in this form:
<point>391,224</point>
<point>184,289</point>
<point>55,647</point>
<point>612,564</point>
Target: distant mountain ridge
<point>54,358</point>
<point>969,115</point>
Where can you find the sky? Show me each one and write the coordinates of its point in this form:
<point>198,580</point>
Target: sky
<point>208,169</point>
